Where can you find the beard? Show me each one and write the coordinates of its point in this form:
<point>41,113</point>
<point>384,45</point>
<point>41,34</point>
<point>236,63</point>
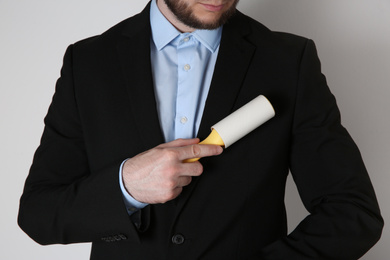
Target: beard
<point>185,15</point>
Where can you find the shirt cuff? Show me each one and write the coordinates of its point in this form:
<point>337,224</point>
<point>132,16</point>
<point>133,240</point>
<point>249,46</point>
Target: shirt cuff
<point>132,205</point>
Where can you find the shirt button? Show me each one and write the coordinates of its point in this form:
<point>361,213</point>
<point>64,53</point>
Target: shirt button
<point>187,67</point>
<point>184,120</point>
<point>186,39</point>
<point>178,239</point>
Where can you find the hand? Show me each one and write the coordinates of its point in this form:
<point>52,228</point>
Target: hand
<point>159,175</point>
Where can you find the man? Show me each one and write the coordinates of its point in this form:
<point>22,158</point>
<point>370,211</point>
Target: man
<point>110,168</point>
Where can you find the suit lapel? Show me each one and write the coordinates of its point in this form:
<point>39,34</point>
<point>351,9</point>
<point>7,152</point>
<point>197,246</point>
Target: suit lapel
<point>234,57</point>
<point>134,54</point>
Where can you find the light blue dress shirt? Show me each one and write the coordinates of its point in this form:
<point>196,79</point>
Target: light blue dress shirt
<point>182,68</point>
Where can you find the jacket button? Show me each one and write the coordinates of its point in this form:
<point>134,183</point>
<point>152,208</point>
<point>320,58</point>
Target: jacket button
<point>178,239</point>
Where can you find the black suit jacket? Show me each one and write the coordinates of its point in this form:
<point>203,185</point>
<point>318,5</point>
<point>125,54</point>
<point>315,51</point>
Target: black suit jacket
<point>104,111</point>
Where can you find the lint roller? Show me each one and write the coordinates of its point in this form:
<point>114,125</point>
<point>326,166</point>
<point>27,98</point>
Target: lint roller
<point>240,123</point>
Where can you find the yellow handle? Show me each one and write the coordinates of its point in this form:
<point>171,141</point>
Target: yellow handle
<point>214,139</point>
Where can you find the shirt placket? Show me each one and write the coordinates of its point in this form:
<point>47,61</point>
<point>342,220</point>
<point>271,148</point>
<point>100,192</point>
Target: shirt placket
<point>187,92</point>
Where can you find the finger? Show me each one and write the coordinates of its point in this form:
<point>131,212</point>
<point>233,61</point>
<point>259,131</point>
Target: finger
<point>199,151</point>
<point>184,181</point>
<point>191,169</point>
<point>179,143</point>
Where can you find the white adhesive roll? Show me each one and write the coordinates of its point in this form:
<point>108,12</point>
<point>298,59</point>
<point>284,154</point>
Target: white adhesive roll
<point>244,120</point>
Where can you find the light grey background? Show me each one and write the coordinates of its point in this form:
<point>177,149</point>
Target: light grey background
<point>352,37</point>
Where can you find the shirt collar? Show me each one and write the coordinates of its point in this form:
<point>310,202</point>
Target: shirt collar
<point>163,32</point>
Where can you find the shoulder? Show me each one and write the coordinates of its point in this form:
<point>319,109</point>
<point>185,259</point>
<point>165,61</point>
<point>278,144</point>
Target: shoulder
<point>261,36</point>
<point>137,24</point>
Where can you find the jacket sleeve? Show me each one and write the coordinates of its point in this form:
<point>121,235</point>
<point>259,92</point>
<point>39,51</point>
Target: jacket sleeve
<point>63,200</point>
<point>344,220</point>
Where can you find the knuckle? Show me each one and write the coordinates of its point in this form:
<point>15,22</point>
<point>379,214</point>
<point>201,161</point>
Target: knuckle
<point>171,172</point>
<point>170,155</point>
<point>170,185</point>
<point>195,149</point>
